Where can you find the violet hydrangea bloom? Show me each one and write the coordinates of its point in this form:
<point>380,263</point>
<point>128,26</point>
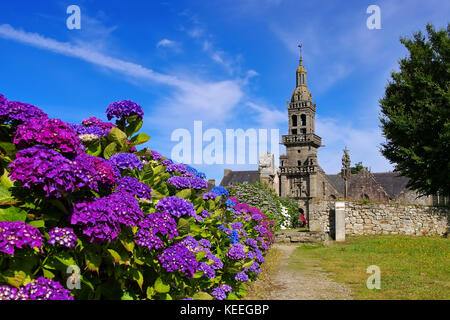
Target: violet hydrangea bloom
<point>18,112</point>
<point>18,234</point>
<point>100,218</point>
<point>179,258</point>
<point>53,133</point>
<point>63,237</point>
<point>124,109</point>
<point>176,206</point>
<point>45,289</point>
<point>126,161</point>
<point>96,122</point>
<point>11,293</point>
<point>188,182</point>
<point>160,222</point>
<point>209,196</point>
<point>176,167</point>
<point>134,187</point>
<point>204,243</point>
<point>166,162</point>
<point>156,155</point>
<point>241,276</point>
<point>236,252</point>
<point>207,270</point>
<point>43,168</point>
<point>146,238</point>
<point>220,293</point>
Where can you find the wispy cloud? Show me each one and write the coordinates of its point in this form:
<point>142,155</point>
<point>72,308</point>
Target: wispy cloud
<point>268,117</point>
<point>166,43</point>
<point>363,143</point>
<point>212,100</point>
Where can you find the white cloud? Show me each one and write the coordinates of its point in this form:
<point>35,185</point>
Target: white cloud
<point>191,98</point>
<point>267,117</point>
<point>166,43</point>
<point>363,144</point>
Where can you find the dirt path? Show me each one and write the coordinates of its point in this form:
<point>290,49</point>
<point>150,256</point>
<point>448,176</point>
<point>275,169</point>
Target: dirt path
<point>309,282</point>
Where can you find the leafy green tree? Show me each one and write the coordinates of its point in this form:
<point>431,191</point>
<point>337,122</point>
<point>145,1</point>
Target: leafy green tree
<point>416,113</point>
<point>357,168</point>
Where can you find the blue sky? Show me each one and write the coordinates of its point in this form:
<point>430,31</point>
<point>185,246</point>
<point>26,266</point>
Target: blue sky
<point>228,63</point>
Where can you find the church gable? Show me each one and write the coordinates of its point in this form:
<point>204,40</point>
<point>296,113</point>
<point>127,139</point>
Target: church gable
<point>364,186</point>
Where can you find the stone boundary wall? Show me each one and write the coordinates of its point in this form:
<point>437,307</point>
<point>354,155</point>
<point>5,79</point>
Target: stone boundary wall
<point>379,218</point>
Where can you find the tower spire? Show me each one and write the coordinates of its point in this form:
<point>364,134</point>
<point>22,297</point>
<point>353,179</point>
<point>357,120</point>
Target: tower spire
<point>301,57</point>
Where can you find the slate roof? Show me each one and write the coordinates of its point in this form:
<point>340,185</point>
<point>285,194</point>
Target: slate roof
<point>391,182</point>
<point>236,177</point>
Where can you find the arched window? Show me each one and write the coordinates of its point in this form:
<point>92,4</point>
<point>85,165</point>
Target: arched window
<point>294,120</point>
<point>299,163</point>
<point>303,119</point>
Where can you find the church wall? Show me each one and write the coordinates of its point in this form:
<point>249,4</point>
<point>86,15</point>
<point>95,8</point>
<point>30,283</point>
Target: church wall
<point>411,196</point>
<point>381,218</point>
<point>364,186</point>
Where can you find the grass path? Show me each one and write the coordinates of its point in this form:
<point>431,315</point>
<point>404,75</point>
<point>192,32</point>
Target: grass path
<point>283,279</point>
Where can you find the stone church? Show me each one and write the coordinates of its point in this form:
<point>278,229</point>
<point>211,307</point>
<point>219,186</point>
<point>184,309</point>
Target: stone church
<point>300,176</point>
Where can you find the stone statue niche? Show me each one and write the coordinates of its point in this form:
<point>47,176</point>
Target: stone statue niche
<point>266,165</point>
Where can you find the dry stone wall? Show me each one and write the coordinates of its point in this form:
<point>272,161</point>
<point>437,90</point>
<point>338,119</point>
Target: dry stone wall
<point>379,218</point>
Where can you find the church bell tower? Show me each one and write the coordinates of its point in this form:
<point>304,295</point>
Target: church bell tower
<point>299,167</point>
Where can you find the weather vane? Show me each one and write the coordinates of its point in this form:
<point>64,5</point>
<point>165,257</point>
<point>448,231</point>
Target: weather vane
<point>300,46</point>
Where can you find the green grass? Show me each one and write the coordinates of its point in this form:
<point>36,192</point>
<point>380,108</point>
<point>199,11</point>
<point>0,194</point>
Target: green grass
<point>411,267</point>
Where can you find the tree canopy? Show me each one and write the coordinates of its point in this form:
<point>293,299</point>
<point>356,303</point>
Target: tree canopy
<point>416,113</point>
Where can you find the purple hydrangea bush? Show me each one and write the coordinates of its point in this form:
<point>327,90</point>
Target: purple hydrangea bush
<point>135,223</point>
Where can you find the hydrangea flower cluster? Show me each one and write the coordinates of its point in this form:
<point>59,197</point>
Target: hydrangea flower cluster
<point>236,252</point>
<point>195,172</point>
<point>210,196</point>
<point>86,131</point>
<point>179,258</point>
<point>45,169</point>
<point>124,109</point>
<point>220,293</point>
<point>176,167</point>
<point>160,222</point>
<point>241,276</point>
<point>126,161</point>
<point>11,293</point>
<point>156,155</point>
<point>53,133</point>
<point>220,191</point>
<point>45,289</point>
<point>100,218</point>
<point>146,238</point>
<point>18,234</point>
<point>207,270</point>
<point>188,182</point>
<point>97,123</point>
<point>63,237</point>
<point>176,206</point>
<point>18,112</point>
<point>134,187</point>
<point>166,162</point>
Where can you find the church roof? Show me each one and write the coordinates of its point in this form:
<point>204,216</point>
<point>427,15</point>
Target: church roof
<point>237,177</point>
<point>391,182</point>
